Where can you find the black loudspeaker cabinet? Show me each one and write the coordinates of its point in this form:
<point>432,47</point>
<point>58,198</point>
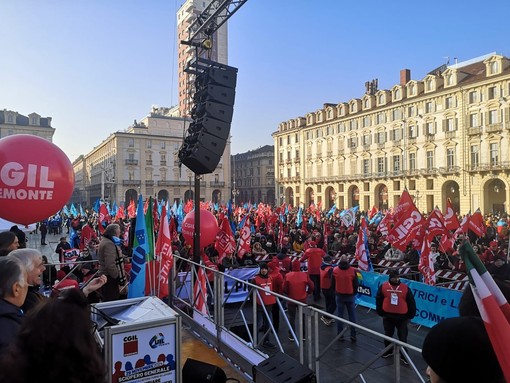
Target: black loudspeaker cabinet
<point>281,368</point>
<point>196,371</point>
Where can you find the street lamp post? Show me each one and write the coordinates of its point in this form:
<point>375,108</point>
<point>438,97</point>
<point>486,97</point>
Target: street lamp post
<point>235,193</point>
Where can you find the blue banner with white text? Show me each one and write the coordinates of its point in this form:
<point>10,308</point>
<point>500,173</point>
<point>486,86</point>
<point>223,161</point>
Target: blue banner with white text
<point>433,304</point>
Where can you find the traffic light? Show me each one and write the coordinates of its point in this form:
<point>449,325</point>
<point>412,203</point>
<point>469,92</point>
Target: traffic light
<point>211,116</point>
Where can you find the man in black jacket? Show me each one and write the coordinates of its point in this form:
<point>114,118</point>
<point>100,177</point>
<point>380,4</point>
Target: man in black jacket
<point>395,303</point>
<point>13,290</point>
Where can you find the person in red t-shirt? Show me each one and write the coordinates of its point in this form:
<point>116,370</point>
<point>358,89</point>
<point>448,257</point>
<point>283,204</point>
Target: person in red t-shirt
<point>265,298</point>
<point>346,288</point>
<point>277,277</point>
<point>314,255</point>
<point>297,286</point>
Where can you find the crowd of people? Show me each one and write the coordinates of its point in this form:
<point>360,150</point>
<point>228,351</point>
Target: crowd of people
<point>324,243</point>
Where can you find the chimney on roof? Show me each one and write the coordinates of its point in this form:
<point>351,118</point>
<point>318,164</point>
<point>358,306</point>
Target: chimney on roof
<point>405,76</point>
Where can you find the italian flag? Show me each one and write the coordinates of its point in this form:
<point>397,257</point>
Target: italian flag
<point>493,306</point>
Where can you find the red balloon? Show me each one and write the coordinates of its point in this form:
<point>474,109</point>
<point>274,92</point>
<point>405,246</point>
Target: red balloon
<point>208,227</point>
<point>36,178</point>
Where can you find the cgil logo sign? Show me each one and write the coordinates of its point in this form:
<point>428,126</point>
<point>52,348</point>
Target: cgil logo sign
<point>130,345</point>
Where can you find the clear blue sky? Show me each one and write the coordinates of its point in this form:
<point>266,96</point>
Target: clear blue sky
<point>95,66</point>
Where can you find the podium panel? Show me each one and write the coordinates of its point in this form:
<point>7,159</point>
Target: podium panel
<point>141,339</point>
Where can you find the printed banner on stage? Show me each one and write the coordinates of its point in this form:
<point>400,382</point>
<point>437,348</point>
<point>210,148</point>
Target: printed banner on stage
<point>238,291</point>
<point>145,355</point>
<point>433,304</point>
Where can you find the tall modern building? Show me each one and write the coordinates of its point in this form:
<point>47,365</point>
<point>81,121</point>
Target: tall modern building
<point>445,136</point>
<point>143,160</point>
<point>253,176</point>
<point>14,123</point>
<point>219,53</point>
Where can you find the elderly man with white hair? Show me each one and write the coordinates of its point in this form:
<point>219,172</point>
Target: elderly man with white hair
<point>33,262</point>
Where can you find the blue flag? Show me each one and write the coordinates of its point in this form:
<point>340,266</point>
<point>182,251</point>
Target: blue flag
<point>66,210</point>
<point>310,220</point>
<point>82,213</point>
<point>140,249</point>
<point>97,205</point>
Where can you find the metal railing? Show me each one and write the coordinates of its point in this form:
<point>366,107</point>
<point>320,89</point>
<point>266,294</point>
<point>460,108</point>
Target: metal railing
<point>222,317</point>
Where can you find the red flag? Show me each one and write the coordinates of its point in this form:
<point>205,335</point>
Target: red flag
<point>426,265</point>
<point>405,203</point>
<point>476,224</point>
<point>464,223</point>
<point>200,292</point>
<point>225,241</point>
<point>104,218</point>
<point>280,234</point>
<point>155,215</point>
<point>164,256</point>
<point>131,209</point>
<point>188,207</point>
<point>244,239</point>
<point>385,224</point>
<point>120,214</point>
<point>450,218</point>
<point>86,235</point>
<point>372,212</point>
<point>435,224</point>
<point>406,228</point>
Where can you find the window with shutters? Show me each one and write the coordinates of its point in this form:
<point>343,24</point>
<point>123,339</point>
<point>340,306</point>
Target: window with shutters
<point>450,158</point>
<point>473,97</point>
<point>492,93</point>
<point>381,161</point>
<point>430,128</point>
<point>449,124</point>
<point>429,107</point>
<point>448,102</point>
<point>494,153</point>
<point>430,159</point>
<point>396,163</point>
<point>493,117</point>
<point>473,120</point>
<point>475,156</point>
<point>366,166</point>
<point>412,131</point>
<point>412,161</point>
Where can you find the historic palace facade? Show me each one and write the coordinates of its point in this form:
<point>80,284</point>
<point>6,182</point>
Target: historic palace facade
<point>446,136</point>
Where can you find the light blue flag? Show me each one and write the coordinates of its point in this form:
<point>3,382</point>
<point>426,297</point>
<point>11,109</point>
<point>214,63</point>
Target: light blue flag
<point>82,213</point>
<point>115,209</point>
<point>66,210</point>
<point>310,220</point>
<point>299,217</point>
<point>331,211</point>
<point>74,212</point>
<point>180,217</point>
<point>355,209</point>
<point>376,219</point>
<point>140,249</point>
